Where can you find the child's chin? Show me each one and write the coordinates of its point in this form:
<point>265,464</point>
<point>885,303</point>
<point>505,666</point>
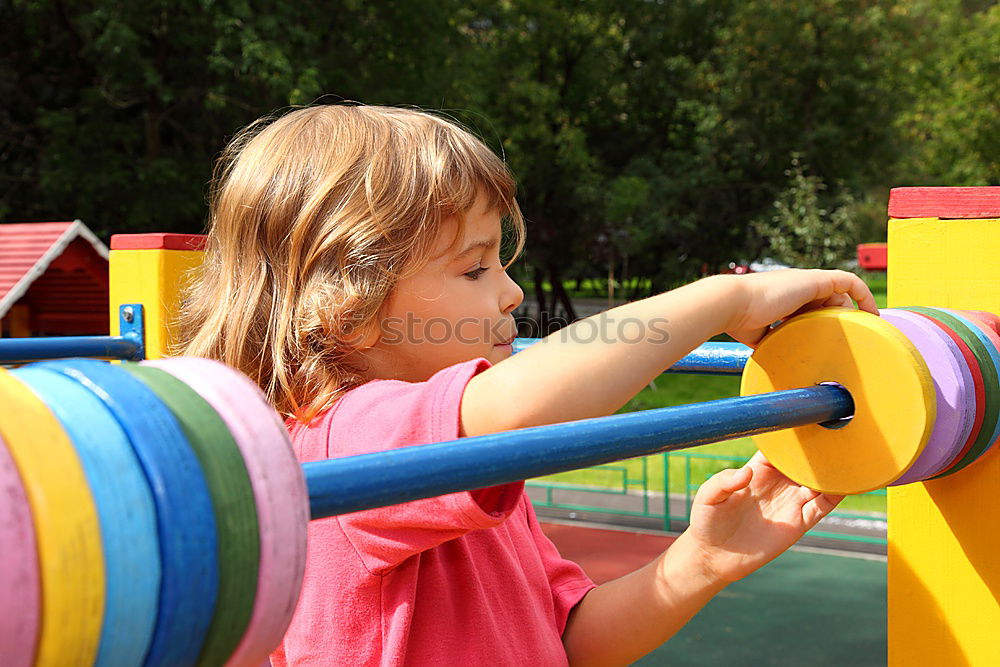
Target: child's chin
<point>502,351</point>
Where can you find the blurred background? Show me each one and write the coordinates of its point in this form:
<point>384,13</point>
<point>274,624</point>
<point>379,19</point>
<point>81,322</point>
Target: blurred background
<point>653,141</point>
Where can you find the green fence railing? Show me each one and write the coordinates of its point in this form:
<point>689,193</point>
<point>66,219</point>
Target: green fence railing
<point>662,487</point>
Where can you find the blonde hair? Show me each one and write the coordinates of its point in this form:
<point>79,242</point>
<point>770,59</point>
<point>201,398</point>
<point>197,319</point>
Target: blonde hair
<point>314,218</point>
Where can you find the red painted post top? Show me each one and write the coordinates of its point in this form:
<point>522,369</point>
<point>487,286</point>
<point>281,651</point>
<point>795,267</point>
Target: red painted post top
<point>158,241</point>
<point>953,203</point>
<point>873,256</point>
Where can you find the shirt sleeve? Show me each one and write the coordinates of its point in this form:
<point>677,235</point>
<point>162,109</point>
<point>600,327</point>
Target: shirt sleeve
<point>387,414</point>
<point>567,580</point>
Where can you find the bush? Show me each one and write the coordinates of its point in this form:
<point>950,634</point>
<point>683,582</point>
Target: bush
<point>807,226</point>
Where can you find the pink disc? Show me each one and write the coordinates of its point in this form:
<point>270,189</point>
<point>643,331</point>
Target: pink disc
<point>992,320</point>
<point>952,386</point>
<point>20,587</point>
<point>279,489</point>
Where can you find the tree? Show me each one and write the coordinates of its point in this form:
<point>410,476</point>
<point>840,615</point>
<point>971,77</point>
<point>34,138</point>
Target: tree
<point>952,129</point>
<point>116,110</point>
<point>807,226</point>
<point>663,128</point>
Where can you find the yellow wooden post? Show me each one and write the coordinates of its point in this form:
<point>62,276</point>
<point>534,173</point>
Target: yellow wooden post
<point>944,535</point>
<point>151,269</point>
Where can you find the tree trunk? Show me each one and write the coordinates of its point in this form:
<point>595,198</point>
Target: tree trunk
<point>611,280</point>
<point>559,292</point>
<point>625,276</point>
<point>543,309</point>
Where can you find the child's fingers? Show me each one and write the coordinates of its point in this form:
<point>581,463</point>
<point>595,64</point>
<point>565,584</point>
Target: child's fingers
<point>838,300</point>
<point>724,484</point>
<point>852,286</point>
<point>751,338</point>
<point>819,507</point>
<point>846,289</point>
<point>758,459</point>
<point>835,300</point>
<point>825,302</point>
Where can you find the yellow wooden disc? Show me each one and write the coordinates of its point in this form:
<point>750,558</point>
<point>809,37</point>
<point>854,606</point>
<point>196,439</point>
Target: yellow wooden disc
<point>894,400</point>
<point>71,561</point>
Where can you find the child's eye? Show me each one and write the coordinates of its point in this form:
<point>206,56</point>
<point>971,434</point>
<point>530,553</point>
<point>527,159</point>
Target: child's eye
<point>475,273</point>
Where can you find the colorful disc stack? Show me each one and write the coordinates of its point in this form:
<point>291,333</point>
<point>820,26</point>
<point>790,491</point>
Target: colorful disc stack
<point>925,384</point>
<point>152,514</point>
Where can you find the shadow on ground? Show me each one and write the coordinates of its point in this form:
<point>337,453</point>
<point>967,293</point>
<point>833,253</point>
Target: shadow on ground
<point>802,609</point>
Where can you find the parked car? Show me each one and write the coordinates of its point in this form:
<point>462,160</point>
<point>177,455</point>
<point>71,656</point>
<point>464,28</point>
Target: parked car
<point>767,264</point>
<point>739,268</point>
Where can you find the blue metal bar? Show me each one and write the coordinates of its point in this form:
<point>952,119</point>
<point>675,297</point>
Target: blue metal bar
<point>16,350</point>
<point>714,359</point>
<point>350,484</point>
<point>129,346</point>
<point>707,359</point>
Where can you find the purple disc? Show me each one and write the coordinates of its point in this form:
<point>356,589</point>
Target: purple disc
<point>952,386</point>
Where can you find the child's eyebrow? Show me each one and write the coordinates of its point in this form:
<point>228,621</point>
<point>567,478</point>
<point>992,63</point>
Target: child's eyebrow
<point>477,245</point>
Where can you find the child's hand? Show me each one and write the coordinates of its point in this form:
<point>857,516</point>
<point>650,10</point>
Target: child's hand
<point>742,519</point>
<point>776,295</point>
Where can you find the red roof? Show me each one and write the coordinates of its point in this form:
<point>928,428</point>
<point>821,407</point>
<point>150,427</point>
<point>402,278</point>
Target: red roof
<point>28,249</point>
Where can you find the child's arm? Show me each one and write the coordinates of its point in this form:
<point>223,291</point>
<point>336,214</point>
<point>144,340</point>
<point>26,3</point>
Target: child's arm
<point>740,520</point>
<point>581,372</point>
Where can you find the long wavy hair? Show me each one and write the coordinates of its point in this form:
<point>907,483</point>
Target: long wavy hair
<point>315,216</point>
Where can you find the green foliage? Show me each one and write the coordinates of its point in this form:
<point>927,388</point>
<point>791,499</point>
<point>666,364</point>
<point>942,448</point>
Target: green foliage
<point>952,128</point>
<point>808,227</point>
<point>114,111</point>
<point>645,135</point>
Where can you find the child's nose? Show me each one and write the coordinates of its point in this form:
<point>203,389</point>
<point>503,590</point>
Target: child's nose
<point>512,295</point>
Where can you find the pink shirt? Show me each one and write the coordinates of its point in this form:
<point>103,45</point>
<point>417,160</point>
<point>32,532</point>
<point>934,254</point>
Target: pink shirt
<point>462,579</point>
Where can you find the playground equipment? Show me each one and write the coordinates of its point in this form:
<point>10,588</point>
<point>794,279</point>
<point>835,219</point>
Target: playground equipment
<point>154,512</point>
<point>873,256</point>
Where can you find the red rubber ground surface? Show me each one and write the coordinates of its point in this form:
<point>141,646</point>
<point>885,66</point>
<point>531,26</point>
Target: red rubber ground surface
<point>605,554</point>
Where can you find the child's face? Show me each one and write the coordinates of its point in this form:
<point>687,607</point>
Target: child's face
<point>456,308</point>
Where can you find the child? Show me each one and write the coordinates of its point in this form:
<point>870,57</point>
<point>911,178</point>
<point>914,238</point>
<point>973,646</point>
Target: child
<point>354,271</point>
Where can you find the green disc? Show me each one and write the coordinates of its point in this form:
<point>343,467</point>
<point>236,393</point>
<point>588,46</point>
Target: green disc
<point>990,379</point>
<point>233,501</point>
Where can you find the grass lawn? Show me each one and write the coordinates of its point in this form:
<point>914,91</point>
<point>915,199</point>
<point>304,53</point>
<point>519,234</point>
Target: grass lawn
<point>677,389</point>
<point>877,284</point>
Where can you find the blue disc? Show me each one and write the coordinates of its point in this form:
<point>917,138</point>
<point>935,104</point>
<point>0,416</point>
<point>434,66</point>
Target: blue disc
<point>125,510</point>
<point>184,515</point>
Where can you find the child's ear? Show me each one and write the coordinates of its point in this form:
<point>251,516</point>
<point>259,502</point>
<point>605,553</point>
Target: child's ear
<point>358,333</point>
<point>360,336</point>
<point>369,336</point>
